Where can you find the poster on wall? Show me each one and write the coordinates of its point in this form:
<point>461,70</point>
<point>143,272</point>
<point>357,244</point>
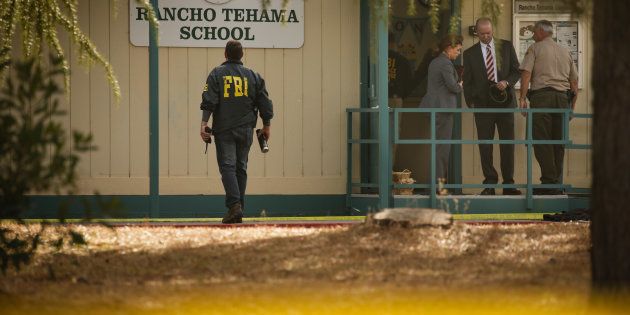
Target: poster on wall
<point>566,32</point>
<point>211,23</point>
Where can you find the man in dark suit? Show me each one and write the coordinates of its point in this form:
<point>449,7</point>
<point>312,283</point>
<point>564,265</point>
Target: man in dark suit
<point>491,66</point>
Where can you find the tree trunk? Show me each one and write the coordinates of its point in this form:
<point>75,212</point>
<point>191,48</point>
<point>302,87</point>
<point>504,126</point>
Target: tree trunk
<point>610,227</point>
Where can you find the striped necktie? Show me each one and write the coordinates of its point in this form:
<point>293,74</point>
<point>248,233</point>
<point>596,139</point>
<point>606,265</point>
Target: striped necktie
<point>490,64</point>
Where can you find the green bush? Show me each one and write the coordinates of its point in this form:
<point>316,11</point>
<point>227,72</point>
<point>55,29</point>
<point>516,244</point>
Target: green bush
<point>34,153</point>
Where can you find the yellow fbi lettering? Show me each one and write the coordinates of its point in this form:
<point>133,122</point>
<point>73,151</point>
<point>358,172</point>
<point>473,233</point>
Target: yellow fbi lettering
<point>236,85</point>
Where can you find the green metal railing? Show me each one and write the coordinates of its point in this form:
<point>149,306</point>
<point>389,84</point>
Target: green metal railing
<point>433,142</point>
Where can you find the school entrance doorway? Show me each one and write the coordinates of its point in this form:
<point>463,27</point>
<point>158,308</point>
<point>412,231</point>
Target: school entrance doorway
<point>411,46</point>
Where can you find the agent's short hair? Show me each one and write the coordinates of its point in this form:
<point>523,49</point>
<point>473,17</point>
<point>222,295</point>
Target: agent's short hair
<point>545,26</point>
<point>234,50</point>
<point>450,40</point>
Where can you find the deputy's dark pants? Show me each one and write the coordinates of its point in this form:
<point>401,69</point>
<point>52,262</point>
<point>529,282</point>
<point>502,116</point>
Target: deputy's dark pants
<point>487,123</point>
<point>232,154</point>
<point>548,126</point>
<point>443,131</point>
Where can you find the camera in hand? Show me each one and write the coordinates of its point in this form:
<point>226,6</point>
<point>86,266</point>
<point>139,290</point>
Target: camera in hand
<point>208,130</point>
<point>209,141</point>
<point>262,141</point>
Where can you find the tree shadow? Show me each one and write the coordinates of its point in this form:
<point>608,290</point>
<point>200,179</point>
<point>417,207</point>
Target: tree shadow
<point>459,257</point>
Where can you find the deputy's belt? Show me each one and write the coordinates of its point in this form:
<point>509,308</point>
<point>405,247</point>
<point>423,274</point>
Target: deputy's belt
<point>531,93</point>
<point>545,89</point>
<point>569,93</point>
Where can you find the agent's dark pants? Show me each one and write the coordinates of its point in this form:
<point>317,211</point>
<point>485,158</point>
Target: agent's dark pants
<point>548,126</point>
<point>443,131</point>
<point>232,154</point>
<point>487,123</point>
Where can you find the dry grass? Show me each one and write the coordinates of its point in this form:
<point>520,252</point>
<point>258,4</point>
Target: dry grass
<point>140,262</point>
<point>461,255</point>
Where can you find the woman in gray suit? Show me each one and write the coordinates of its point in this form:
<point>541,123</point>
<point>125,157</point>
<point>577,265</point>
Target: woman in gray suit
<point>442,90</point>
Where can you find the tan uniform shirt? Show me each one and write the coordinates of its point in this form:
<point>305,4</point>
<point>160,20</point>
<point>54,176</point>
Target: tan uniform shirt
<point>550,65</point>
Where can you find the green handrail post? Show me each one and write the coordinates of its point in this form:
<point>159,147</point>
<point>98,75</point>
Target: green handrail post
<point>433,160</point>
<point>455,173</point>
<point>385,168</point>
<point>154,117</point>
<point>565,135</point>
<point>530,190</point>
<point>349,162</point>
<point>396,127</point>
<point>364,86</point>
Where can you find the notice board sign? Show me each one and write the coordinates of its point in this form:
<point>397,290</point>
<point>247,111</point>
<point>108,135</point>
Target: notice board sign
<point>566,31</point>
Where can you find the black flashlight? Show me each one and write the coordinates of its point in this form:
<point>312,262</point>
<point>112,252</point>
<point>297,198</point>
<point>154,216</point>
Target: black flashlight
<point>262,141</point>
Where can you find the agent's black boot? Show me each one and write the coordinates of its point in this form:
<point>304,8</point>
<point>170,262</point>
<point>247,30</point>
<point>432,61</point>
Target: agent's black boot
<point>234,215</point>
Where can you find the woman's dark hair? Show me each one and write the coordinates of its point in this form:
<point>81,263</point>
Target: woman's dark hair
<point>234,50</point>
<point>450,40</point>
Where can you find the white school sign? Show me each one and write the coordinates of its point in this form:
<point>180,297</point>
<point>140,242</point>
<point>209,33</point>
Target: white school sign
<point>211,23</point>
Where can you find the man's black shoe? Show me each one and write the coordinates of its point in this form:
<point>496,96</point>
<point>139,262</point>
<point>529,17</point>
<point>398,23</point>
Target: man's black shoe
<point>488,192</point>
<point>511,191</point>
<point>234,215</point>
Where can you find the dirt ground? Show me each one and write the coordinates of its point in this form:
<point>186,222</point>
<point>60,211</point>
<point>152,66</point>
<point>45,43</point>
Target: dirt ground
<point>142,263</point>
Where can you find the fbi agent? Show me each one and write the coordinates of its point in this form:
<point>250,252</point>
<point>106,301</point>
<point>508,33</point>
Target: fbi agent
<point>233,96</point>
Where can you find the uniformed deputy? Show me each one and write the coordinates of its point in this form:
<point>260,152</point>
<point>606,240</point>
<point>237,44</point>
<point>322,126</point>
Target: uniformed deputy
<point>554,84</point>
<point>234,95</point>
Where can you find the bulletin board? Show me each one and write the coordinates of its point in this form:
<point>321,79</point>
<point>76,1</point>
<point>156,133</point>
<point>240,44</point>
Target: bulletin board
<point>567,31</point>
